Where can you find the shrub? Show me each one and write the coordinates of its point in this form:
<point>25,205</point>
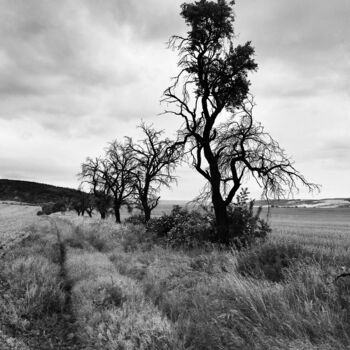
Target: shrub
<point>50,208</point>
<point>182,228</point>
<point>59,206</point>
<point>161,226</point>
<point>136,219</point>
<point>245,226</point>
<point>193,228</point>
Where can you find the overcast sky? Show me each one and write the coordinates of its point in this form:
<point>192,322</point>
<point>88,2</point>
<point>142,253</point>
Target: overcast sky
<point>75,75</point>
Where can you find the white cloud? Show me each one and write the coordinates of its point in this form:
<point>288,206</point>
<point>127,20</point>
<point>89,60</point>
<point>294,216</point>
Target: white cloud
<point>77,74</point>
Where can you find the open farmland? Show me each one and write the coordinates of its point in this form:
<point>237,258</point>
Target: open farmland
<point>81,283</point>
<point>14,221</point>
<point>326,230</point>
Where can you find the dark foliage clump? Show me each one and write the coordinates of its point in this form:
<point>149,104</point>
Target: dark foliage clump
<point>197,227</point>
<point>136,219</point>
<point>162,225</point>
<point>51,208</point>
<point>246,228</point>
<point>183,228</point>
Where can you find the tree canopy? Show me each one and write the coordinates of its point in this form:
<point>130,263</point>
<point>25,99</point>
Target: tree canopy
<point>155,160</point>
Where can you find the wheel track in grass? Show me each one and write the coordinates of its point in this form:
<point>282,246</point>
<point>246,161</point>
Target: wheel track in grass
<point>70,339</point>
<point>141,283</point>
<point>131,289</point>
<point>63,335</point>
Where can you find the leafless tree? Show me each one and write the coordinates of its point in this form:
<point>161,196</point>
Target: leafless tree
<point>211,95</point>
<point>119,165</point>
<point>93,172</point>
<point>155,159</point>
<point>83,203</point>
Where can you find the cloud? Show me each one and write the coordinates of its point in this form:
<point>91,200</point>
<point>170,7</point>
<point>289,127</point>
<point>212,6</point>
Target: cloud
<point>77,74</point>
<point>152,20</point>
<point>81,69</point>
<point>301,47</point>
<point>334,153</point>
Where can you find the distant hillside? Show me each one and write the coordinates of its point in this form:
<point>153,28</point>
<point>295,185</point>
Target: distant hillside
<point>33,192</point>
<point>308,203</point>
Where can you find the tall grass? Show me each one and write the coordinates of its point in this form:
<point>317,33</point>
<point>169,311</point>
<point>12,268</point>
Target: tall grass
<point>32,275</point>
<point>36,288</point>
<point>280,295</point>
<point>130,294</point>
<point>112,310</point>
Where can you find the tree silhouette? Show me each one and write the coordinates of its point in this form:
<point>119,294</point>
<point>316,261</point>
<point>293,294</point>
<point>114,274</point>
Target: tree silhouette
<point>155,159</point>
<point>93,172</point>
<point>211,95</point>
<point>83,203</point>
<point>118,167</point>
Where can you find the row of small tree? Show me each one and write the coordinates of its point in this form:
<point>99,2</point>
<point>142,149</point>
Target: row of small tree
<point>131,173</point>
<point>219,137</point>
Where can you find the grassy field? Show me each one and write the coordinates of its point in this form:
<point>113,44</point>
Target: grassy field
<point>14,222</point>
<point>87,284</point>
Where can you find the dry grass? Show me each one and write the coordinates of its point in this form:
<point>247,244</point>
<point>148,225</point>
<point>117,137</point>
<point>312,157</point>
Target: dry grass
<point>216,307</point>
<point>14,221</point>
<point>36,289</point>
<point>31,272</point>
<point>128,294</point>
<point>111,309</point>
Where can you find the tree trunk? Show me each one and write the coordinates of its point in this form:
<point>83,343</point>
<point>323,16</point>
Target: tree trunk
<point>222,222</point>
<point>220,208</point>
<point>147,212</point>
<point>117,214</point>
<point>103,214</point>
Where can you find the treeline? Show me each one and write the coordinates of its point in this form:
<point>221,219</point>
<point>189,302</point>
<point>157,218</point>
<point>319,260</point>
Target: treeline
<point>132,173</point>
<point>219,135</point>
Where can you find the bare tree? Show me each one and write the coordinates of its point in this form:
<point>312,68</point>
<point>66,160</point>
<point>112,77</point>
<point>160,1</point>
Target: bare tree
<point>93,172</point>
<point>211,95</point>
<point>155,159</point>
<point>119,165</point>
<point>84,203</point>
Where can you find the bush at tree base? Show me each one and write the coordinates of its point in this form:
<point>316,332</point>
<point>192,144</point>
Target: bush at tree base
<point>182,228</point>
<point>193,228</point>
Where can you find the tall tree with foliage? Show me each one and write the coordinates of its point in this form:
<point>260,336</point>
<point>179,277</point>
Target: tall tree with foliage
<point>155,159</point>
<point>211,95</point>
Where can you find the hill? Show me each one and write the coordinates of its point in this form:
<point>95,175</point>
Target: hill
<point>307,203</point>
<point>33,192</point>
